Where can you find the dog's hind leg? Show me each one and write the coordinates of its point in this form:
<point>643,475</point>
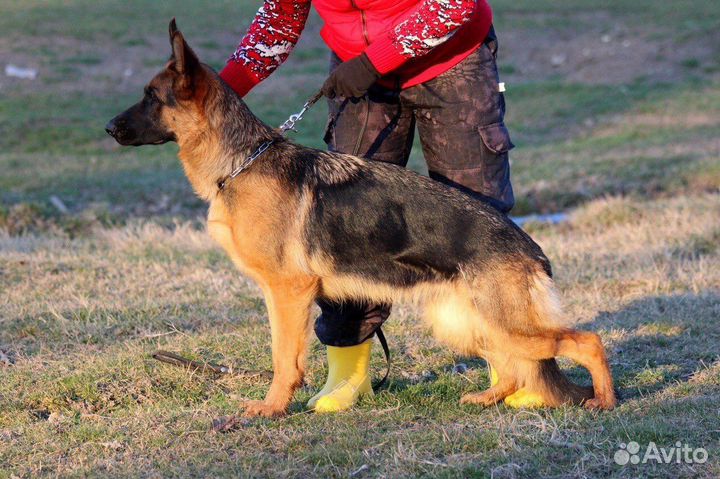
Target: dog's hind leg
<point>585,348</point>
<point>492,395</point>
<point>456,322</point>
<point>288,301</point>
<point>523,397</point>
<point>525,324</point>
<point>504,385</point>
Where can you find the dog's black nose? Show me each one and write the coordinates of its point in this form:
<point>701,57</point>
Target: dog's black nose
<point>111,128</point>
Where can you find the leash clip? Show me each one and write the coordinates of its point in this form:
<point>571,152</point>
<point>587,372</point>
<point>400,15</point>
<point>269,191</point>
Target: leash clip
<point>290,122</point>
<point>296,117</point>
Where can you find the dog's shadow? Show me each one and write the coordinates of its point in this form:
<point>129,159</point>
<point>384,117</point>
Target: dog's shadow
<point>659,342</point>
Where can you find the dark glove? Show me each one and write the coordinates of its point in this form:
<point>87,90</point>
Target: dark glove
<point>351,79</point>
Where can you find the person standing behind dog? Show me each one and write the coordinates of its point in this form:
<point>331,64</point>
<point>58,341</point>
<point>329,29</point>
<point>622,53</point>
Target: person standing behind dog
<point>395,65</point>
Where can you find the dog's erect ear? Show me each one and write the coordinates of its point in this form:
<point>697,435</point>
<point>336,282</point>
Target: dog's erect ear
<point>173,29</point>
<point>185,62</point>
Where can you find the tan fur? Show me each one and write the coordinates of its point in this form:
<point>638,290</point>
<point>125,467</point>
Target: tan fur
<point>456,322</point>
<point>201,153</point>
<point>257,237</point>
<point>263,236</point>
<point>507,312</point>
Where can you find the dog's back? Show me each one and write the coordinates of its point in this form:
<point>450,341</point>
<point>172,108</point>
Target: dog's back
<point>376,232</point>
<point>379,232</point>
<point>413,228</point>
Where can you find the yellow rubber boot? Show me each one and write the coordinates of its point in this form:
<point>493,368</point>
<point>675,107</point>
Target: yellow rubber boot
<point>522,398</point>
<point>348,378</point>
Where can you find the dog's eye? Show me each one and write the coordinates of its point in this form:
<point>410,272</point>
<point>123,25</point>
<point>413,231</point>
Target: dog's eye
<point>152,96</point>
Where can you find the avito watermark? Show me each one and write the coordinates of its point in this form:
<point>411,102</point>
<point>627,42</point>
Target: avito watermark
<point>679,454</point>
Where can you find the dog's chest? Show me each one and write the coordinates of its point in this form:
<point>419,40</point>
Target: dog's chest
<point>219,228</point>
<point>247,235</point>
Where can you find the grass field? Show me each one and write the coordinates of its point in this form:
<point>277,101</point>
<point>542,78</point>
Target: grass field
<point>615,110</point>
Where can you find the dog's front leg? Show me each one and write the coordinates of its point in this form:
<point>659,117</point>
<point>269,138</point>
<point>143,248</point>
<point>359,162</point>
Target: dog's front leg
<point>288,303</point>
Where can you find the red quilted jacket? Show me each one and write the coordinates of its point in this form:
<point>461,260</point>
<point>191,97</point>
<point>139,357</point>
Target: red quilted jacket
<point>408,41</point>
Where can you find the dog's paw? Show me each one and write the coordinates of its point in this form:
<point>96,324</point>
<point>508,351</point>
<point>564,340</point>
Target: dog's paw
<point>600,403</point>
<point>482,399</point>
<point>262,409</point>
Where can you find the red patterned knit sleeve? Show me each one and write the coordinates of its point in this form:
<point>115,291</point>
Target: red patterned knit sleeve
<point>429,26</point>
<point>267,43</point>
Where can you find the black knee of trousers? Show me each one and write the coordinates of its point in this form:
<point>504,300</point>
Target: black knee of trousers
<point>349,323</point>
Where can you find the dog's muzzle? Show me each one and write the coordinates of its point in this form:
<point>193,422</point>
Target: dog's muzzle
<point>112,129</point>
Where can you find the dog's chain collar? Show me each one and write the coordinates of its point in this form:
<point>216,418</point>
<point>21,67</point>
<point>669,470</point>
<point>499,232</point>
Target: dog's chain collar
<point>245,164</point>
<point>288,125</point>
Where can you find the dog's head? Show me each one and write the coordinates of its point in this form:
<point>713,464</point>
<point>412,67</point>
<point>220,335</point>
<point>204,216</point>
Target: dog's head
<point>175,93</point>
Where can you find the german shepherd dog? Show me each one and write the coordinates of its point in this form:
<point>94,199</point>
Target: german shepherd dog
<point>308,224</point>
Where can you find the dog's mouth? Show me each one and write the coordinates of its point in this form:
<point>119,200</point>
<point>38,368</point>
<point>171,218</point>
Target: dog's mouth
<point>127,138</point>
<point>124,142</point>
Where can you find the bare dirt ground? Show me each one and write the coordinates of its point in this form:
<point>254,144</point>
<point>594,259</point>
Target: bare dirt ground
<point>591,48</point>
<point>599,48</point>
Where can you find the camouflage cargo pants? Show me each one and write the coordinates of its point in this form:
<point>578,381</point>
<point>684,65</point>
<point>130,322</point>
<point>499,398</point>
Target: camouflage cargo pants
<point>460,119</point>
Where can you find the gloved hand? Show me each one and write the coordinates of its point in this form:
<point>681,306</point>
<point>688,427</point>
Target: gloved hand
<point>351,79</point>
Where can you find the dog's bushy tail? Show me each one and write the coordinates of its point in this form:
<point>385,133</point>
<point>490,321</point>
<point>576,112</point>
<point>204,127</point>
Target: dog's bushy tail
<point>549,380</point>
<point>555,388</point>
<point>524,325</point>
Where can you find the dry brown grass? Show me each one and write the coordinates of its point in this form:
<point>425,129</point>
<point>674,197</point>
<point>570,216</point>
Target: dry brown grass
<point>80,317</point>
<point>631,120</point>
